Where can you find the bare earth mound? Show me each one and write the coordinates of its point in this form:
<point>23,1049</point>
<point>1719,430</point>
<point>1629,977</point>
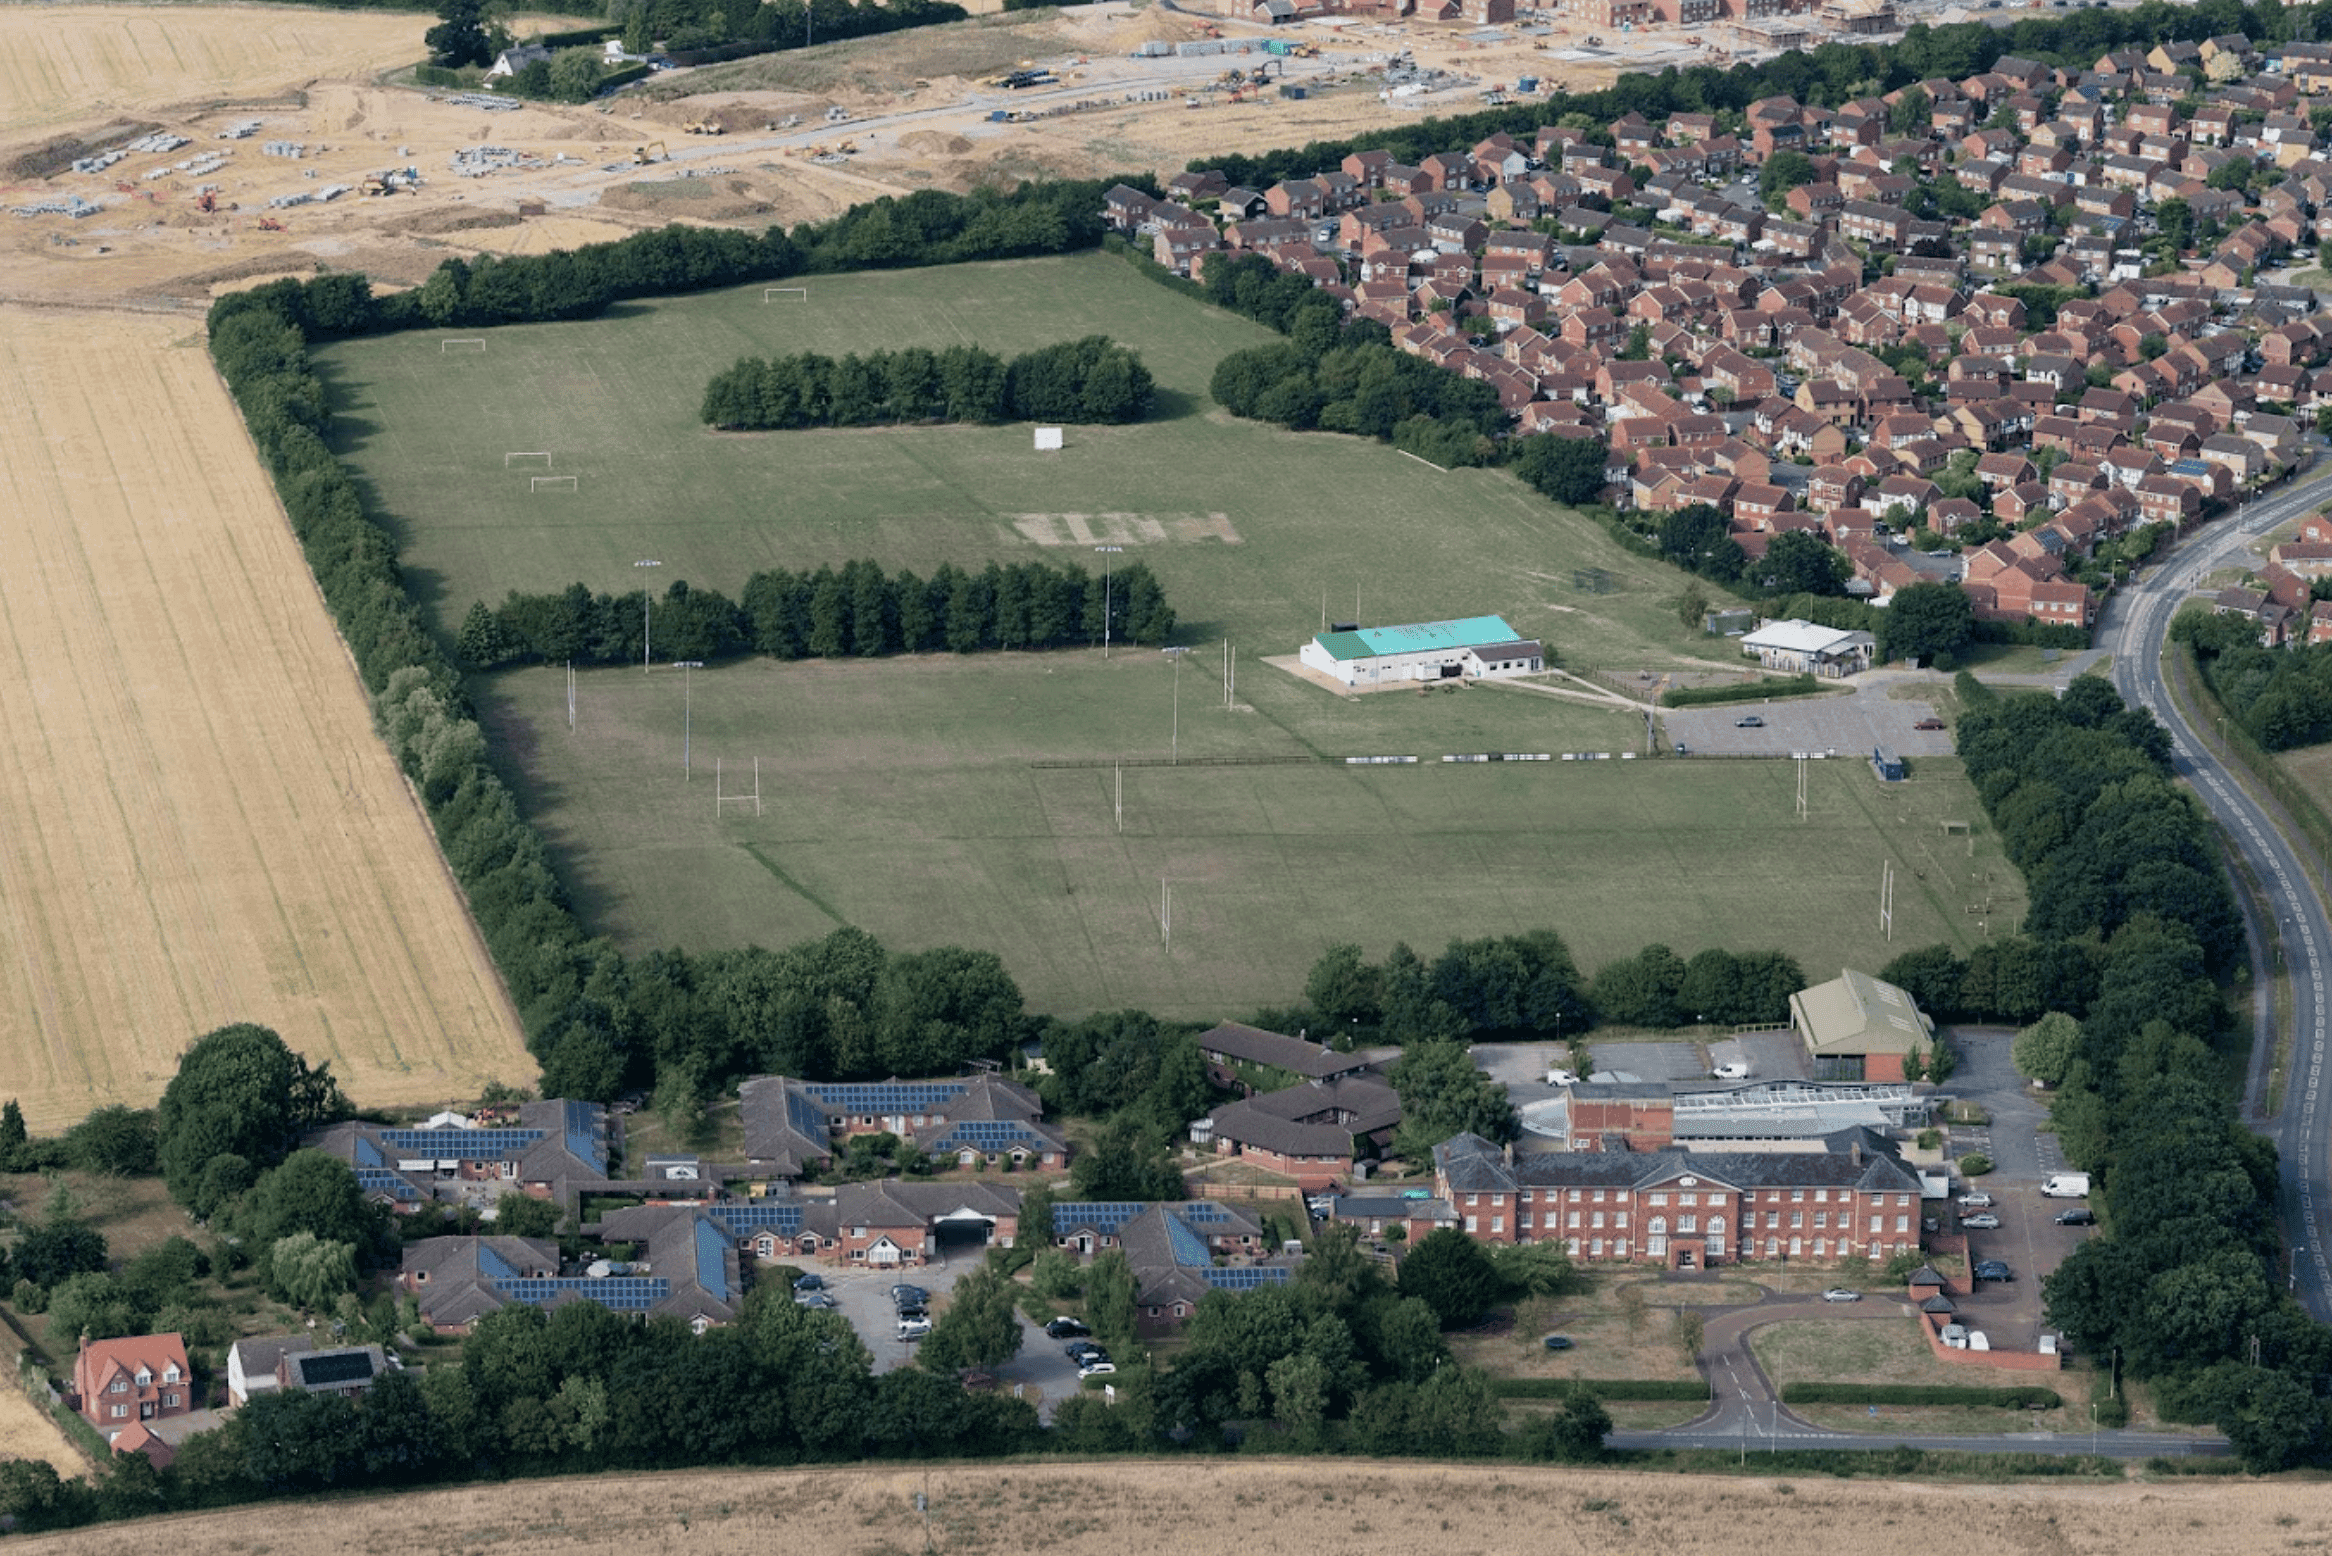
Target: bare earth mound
<point>202,826</point>
<point>1248,1508</point>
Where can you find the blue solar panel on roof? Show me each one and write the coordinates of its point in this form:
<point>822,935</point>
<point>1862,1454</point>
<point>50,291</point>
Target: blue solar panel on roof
<point>904,1097</point>
<point>621,1293</point>
<point>1204,1211</point>
<point>1189,1248</point>
<point>803,1115</point>
<point>584,1140</point>
<point>741,1219</point>
<point>1246,1279</point>
<point>493,1265</point>
<point>368,1154</point>
<point>377,1181</point>
<point>1106,1217</point>
<point>466,1145</point>
<point>711,1273</point>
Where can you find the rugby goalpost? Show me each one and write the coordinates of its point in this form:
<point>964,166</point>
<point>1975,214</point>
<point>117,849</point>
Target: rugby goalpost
<point>445,346</point>
<point>771,293</point>
<point>551,483</point>
<point>740,797</point>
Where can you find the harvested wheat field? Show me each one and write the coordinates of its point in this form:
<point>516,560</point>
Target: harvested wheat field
<point>201,825</point>
<point>29,1432</point>
<point>60,63</point>
<point>1256,1507</point>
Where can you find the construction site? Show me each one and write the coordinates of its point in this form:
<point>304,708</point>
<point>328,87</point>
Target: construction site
<point>176,200</point>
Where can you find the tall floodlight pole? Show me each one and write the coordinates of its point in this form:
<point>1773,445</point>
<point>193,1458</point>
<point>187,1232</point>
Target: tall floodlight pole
<point>1106,553</point>
<point>645,593</point>
<point>687,709</point>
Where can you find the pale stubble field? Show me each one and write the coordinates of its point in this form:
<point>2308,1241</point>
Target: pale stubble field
<point>201,826</point>
<point>1257,1507</point>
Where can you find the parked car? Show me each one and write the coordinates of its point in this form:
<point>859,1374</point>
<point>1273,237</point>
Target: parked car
<point>1066,1328</point>
<point>2076,1217</point>
<point>1099,1367</point>
<point>1928,724</point>
<point>909,1296</point>
<point>914,1328</point>
<point>813,1299</point>
<point>810,1283</point>
<point>1841,1294</point>
<point>1559,1342</point>
<point>1749,721</point>
<point>1993,1269</point>
<point>1562,1078</point>
<point>1738,1070</point>
<point>1930,1224</point>
<point>1082,1351</point>
<point>1981,1221</point>
<point>1975,1199</point>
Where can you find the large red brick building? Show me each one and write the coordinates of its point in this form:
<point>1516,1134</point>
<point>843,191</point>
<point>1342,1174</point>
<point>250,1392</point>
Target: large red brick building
<point>1682,1210</point>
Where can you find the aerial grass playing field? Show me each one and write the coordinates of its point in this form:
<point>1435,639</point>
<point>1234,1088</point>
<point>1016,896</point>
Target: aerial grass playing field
<point>901,795</point>
<point>201,826</point>
<point>1250,528</point>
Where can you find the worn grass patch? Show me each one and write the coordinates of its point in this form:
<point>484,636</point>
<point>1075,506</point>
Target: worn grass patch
<point>1852,1350</point>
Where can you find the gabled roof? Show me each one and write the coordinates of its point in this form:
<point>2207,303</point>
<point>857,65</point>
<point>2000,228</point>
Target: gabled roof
<point>1417,637</point>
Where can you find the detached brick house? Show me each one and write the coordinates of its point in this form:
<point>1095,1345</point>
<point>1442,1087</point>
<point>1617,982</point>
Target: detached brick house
<point>120,1383</point>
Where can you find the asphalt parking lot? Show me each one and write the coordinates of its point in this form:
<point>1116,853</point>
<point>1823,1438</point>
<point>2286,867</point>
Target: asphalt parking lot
<point>2028,1239</point>
<point>1846,727</point>
<point>1041,1372</point>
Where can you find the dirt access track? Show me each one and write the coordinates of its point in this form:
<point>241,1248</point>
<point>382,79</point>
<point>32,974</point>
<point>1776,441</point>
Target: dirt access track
<point>80,79</point>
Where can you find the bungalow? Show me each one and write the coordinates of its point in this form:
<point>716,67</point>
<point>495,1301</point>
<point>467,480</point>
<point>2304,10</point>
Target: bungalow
<point>1471,649</point>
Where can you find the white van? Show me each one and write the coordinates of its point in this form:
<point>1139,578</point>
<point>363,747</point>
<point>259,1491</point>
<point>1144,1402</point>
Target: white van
<point>2066,1185</point>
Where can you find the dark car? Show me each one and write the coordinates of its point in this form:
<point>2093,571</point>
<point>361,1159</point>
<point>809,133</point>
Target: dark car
<point>1558,1342</point>
<point>1993,1269</point>
<point>1066,1328</point>
<point>1084,1352</point>
<point>1928,724</point>
<point>909,1296</point>
<point>2076,1218</point>
<point>811,1283</point>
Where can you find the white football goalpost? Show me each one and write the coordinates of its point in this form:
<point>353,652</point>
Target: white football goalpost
<point>771,293</point>
<point>545,458</point>
<point>445,346</point>
<point>551,483</point>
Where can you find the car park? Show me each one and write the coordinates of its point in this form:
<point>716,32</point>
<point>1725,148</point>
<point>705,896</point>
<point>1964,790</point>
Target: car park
<point>1559,1342</point>
<point>1841,1294</point>
<point>1975,1199</point>
<point>1993,1269</point>
<point>1066,1328</point>
<point>2076,1217</point>
<point>1562,1078</point>
<point>1981,1221</point>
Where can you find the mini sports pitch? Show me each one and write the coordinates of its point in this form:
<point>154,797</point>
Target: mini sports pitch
<point>920,798</point>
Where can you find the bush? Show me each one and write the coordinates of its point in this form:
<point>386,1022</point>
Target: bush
<point>1601,1388</point>
<point>2021,1398</point>
<point>1975,1164</point>
<point>1747,691</point>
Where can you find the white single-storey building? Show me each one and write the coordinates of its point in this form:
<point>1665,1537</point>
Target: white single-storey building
<point>516,58</point>
<point>1424,651</point>
<point>1802,648</point>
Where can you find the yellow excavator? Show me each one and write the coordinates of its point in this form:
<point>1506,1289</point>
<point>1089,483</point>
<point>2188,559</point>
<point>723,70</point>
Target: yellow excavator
<point>652,152</point>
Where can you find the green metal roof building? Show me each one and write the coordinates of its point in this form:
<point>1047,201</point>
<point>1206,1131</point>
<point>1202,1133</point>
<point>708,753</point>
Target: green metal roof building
<point>1470,649</point>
